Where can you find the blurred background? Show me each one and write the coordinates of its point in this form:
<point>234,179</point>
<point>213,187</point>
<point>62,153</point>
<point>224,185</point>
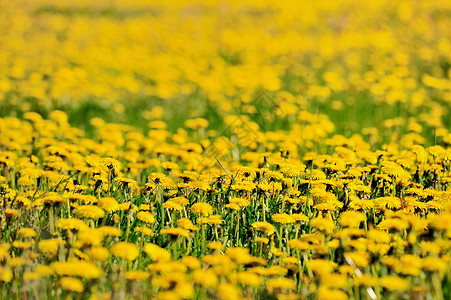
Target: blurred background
<point>379,68</point>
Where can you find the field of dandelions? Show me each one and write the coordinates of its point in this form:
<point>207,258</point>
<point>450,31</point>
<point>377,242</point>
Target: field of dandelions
<point>225,149</point>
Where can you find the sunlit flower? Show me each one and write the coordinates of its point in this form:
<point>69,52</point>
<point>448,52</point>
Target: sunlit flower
<point>156,253</point>
<point>264,226</point>
<point>323,224</point>
<point>71,284</point>
<point>202,208</point>
<point>26,232</point>
<point>50,247</point>
<point>146,217</point>
<point>351,218</point>
<point>283,218</point>
<point>109,231</point>
<point>205,278</point>
<point>83,269</point>
<point>175,232</point>
<point>186,224</point>
<point>125,250</point>
<point>99,253</point>
<point>109,204</point>
<point>71,224</point>
<point>90,212</point>
<point>137,275</point>
<point>215,246</point>
<point>275,284</point>
<point>393,283</point>
<point>172,205</point>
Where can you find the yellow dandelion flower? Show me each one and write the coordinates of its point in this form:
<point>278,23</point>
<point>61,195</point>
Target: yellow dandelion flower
<point>393,223</point>
<point>169,165</point>
<point>205,278</point>
<point>146,216</point>
<point>410,265</point>
<point>202,209</point>
<point>125,250</point>
<point>434,264</point>
<point>110,231</point>
<point>360,258</point>
<point>239,255</point>
<point>90,236</point>
<point>11,212</point>
<point>90,212</point>
<point>276,284</point>
<point>378,236</point>
<point>325,293</point>
<point>144,207</point>
<point>167,267</point>
<point>144,230</point>
<point>233,206</point>
<point>262,240</point>
<point>156,253</point>
<point>227,291</point>
<point>53,197</point>
<point>23,245</point>
<point>277,252</point>
<point>71,284</point>
<point>241,202</point>
<point>351,218</point>
<point>16,262</point>
<point>184,289</point>
<point>299,245</point>
<point>191,262</point>
<point>29,276</point>
<point>215,246</point>
<point>136,275</point>
<point>175,231</point>
<point>44,270</point>
<point>180,200</point>
<point>124,206</point>
<point>111,163</point>
<point>283,218</point>
<point>215,219</point>
<point>323,224</point>
<point>389,202</point>
<point>5,274</point>
<point>80,268</point>
<point>393,283</point>
<point>71,224</point>
<point>171,205</point>
<point>334,280</point>
<point>99,253</point>
<point>264,226</point>
<point>109,204</point>
<point>321,266</point>
<point>50,246</point>
<point>300,217</point>
<point>366,280</point>
<point>26,232</point>
<point>335,243</point>
<point>249,279</point>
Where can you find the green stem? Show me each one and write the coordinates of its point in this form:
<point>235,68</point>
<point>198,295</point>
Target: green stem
<point>237,229</point>
<point>127,232</point>
<point>52,230</point>
<point>203,238</point>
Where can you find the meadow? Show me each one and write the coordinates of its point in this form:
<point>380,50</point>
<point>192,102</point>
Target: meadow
<point>225,149</point>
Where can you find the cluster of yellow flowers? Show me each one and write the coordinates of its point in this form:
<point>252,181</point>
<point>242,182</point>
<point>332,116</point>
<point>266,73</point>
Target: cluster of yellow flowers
<point>276,203</point>
<point>136,209</point>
